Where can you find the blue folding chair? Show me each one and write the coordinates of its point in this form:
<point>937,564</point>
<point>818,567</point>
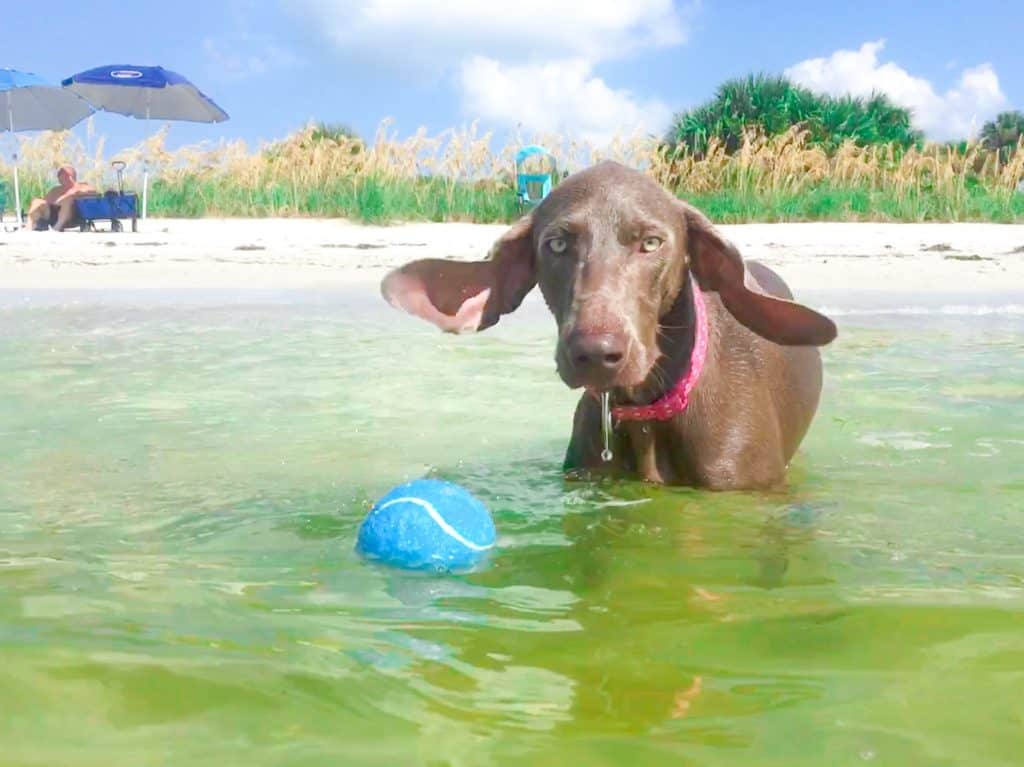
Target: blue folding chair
<point>533,187</point>
<point>111,206</point>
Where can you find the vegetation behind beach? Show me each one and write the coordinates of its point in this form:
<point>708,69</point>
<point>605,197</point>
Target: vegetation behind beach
<point>760,150</point>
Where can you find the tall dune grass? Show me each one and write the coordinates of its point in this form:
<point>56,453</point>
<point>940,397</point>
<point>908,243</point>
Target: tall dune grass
<point>458,176</point>
<point>783,179</point>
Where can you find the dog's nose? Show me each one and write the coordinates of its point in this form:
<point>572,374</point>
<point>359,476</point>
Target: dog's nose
<point>596,351</point>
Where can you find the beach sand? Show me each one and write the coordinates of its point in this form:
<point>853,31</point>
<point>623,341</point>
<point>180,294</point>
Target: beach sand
<point>318,254</point>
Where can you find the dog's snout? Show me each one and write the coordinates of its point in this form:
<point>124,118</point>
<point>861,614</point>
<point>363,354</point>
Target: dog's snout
<point>596,351</point>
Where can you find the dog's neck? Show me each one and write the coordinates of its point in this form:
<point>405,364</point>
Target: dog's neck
<point>681,354</point>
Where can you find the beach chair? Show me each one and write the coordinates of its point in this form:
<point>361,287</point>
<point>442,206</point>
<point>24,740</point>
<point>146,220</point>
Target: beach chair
<point>533,183</point>
<point>113,206</point>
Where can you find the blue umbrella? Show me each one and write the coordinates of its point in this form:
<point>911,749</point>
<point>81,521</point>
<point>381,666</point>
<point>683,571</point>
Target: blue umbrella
<point>146,93</point>
<point>33,104</point>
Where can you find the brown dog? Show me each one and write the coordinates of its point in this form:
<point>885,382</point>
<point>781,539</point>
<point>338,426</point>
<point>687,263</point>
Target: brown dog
<point>654,306</point>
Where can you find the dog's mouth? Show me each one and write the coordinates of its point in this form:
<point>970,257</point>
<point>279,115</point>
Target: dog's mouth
<point>627,374</point>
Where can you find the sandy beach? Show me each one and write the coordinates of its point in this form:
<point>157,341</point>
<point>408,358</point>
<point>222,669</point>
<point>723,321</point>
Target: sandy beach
<point>311,254</point>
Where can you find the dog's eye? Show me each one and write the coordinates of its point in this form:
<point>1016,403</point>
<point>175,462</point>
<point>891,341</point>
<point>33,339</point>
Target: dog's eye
<point>558,245</point>
<point>651,244</point>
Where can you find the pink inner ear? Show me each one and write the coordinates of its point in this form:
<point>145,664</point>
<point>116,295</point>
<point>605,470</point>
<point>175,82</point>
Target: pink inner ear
<point>410,294</point>
<point>469,315</point>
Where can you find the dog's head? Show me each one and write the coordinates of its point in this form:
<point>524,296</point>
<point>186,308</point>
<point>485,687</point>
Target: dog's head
<point>611,251</point>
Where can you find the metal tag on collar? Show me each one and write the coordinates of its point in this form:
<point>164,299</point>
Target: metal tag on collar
<point>606,426</point>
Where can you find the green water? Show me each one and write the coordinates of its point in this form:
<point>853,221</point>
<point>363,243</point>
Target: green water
<point>181,484</point>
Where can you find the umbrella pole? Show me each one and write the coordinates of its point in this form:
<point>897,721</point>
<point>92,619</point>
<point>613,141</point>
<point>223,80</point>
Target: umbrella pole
<point>14,156</point>
<point>17,197</point>
<point>145,166</point>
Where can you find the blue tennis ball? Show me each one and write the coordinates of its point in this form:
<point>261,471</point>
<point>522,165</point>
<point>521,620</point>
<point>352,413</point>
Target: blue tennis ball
<point>427,524</point>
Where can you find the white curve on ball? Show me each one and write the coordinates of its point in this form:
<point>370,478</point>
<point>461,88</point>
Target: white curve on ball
<point>448,529</point>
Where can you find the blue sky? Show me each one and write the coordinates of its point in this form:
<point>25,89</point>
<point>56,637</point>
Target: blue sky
<point>587,69</point>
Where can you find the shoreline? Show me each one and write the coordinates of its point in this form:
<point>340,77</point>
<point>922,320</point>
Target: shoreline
<point>314,255</point>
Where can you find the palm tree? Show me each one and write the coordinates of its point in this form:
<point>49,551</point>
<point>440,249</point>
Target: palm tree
<point>1003,133</point>
<point>774,104</point>
<point>334,132</point>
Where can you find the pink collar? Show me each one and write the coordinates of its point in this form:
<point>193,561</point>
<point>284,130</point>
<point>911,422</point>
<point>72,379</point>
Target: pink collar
<point>675,401</point>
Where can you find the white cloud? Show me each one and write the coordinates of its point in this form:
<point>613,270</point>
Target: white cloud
<point>243,58</point>
<point>237,53</point>
<point>530,62</point>
<point>558,96</point>
<point>957,113</point>
<point>413,34</point>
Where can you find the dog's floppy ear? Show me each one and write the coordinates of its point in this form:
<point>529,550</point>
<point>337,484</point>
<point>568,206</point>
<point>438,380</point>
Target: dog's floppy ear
<point>462,296</point>
<point>719,267</point>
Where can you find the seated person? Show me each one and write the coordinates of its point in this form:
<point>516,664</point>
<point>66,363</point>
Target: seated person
<point>57,208</point>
